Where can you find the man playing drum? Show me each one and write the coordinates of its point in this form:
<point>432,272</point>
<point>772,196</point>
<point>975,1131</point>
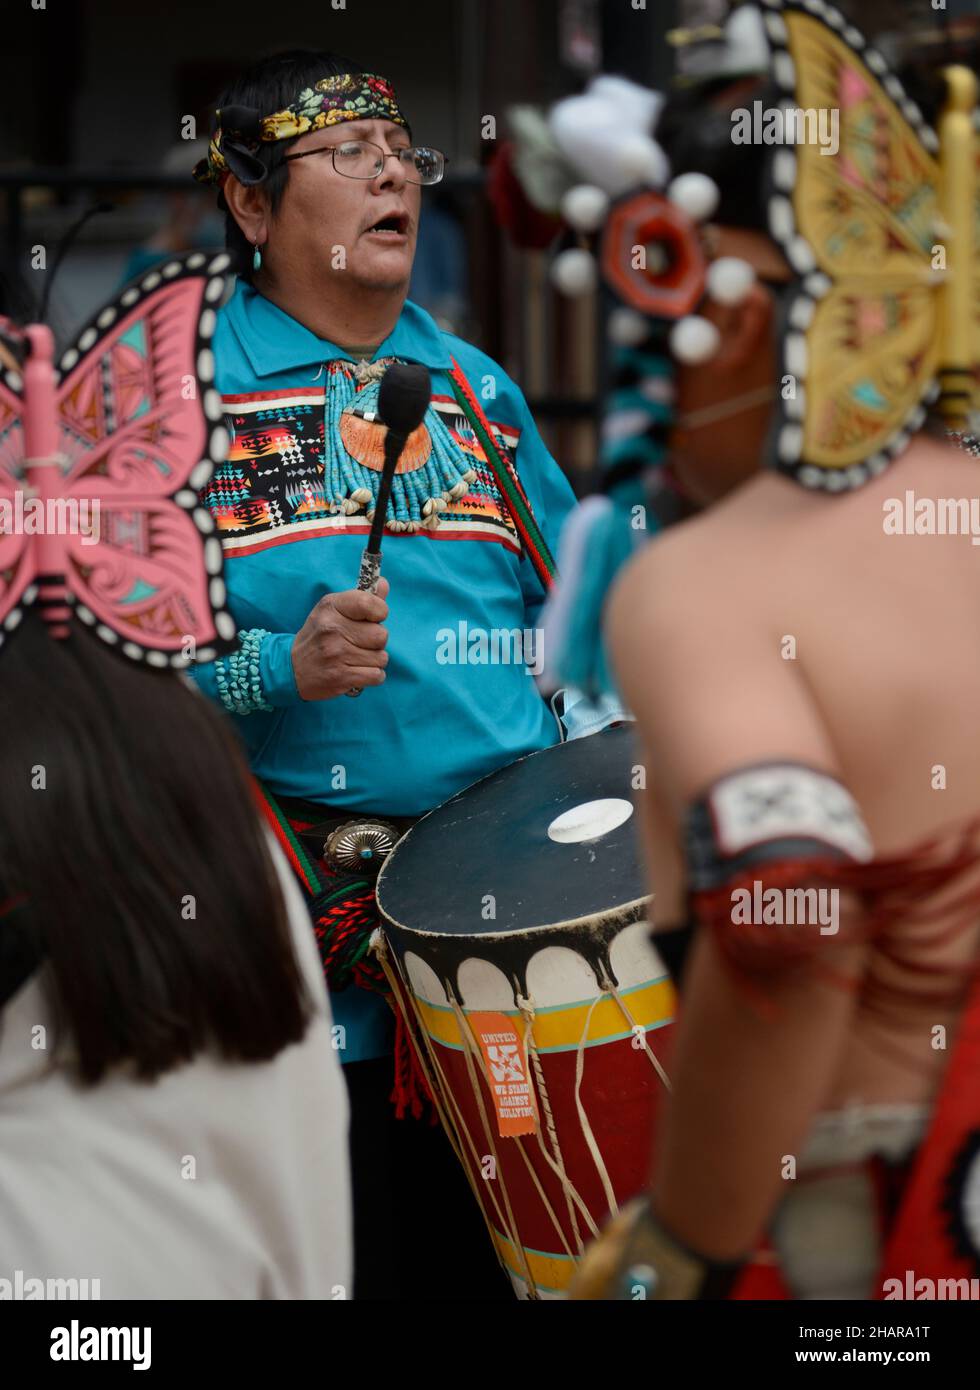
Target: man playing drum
<point>322,185</point>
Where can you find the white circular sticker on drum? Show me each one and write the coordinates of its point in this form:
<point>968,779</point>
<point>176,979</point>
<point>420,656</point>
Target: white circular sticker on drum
<point>590,821</point>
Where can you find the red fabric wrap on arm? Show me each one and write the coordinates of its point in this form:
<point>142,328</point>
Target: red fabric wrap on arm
<point>784,830</point>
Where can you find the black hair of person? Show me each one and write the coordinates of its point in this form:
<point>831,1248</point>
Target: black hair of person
<point>269,85</point>
<point>130,840</point>
<point>695,131</point>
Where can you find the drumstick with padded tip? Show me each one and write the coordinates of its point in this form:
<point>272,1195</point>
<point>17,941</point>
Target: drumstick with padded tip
<point>403,399</point>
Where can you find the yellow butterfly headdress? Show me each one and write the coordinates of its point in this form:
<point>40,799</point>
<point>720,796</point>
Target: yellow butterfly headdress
<point>884,234</point>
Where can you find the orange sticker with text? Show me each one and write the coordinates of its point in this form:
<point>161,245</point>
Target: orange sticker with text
<point>505,1067</point>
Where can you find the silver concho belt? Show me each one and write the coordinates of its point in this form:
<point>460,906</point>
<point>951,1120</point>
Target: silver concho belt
<point>360,846</point>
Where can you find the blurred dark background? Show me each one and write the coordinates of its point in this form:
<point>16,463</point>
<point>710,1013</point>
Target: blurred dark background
<point>95,104</point>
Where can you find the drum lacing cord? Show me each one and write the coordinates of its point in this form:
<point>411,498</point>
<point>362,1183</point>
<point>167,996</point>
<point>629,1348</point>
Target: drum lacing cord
<point>471,1050</point>
<point>597,1158</point>
<point>505,1218</point>
<point>655,1062</point>
<point>567,1185</point>
<point>527,1009</point>
<point>469,1047</point>
<point>409,1007</point>
<point>466,1028</point>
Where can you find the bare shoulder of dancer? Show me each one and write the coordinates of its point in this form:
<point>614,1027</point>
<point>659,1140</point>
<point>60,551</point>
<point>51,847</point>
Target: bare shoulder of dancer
<point>703,665</point>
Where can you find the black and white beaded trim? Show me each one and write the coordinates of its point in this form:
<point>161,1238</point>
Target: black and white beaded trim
<point>970,443</point>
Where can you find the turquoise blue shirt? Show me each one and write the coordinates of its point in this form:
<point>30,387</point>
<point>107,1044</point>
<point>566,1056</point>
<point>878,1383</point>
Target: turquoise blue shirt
<point>454,706</point>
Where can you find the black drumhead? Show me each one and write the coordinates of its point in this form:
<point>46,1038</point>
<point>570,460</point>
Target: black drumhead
<point>492,840</point>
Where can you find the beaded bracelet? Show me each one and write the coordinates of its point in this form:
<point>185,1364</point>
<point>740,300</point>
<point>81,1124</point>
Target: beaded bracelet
<point>239,676</point>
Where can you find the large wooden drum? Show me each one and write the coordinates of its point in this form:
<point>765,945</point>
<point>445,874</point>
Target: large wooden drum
<point>517,946</point>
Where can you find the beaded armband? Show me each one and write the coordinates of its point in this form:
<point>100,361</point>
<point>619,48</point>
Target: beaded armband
<point>769,849</point>
<point>769,813</point>
<point>239,676</point>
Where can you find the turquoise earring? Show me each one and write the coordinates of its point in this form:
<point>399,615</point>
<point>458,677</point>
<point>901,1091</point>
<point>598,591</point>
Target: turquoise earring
<point>257,258</point>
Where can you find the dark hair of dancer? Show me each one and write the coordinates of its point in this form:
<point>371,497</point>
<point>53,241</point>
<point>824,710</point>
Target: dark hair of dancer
<point>133,865</point>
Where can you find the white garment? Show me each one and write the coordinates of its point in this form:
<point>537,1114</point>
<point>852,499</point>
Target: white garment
<point>94,1181</point>
<point>826,1230</point>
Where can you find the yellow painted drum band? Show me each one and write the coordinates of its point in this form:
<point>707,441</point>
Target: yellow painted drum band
<point>551,1273</point>
<point>559,1028</point>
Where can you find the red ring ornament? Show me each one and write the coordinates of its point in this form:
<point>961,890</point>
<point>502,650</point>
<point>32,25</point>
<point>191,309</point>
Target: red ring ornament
<point>642,219</point>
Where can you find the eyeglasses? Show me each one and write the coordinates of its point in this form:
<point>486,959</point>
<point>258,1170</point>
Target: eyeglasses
<point>361,159</point>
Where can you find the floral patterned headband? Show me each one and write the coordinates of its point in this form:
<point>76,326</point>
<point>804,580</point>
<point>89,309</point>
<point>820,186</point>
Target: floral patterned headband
<point>238,131</point>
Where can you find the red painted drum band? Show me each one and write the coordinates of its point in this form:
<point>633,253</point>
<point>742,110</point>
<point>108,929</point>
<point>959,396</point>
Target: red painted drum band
<point>538,1006</point>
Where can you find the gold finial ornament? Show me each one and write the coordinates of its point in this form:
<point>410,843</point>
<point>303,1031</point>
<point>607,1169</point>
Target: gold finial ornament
<point>959,157</point>
<point>683,38</point>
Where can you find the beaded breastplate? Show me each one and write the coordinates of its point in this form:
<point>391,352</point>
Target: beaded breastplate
<point>308,461</point>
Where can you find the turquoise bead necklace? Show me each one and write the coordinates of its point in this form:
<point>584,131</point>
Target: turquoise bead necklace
<point>417,497</point>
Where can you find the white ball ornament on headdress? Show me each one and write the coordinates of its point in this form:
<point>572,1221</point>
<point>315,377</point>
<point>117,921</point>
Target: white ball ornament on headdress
<point>694,340</point>
<point>695,194</point>
<point>626,328</point>
<point>584,207</point>
<point>573,272</point>
<point>729,280</point>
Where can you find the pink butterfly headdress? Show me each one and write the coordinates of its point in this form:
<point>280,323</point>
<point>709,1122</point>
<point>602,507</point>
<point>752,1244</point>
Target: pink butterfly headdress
<point>101,461</point>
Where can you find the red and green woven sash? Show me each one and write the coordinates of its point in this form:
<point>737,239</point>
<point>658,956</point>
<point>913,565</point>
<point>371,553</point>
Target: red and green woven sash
<point>342,909</point>
<point>289,842</point>
<point>505,476</point>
